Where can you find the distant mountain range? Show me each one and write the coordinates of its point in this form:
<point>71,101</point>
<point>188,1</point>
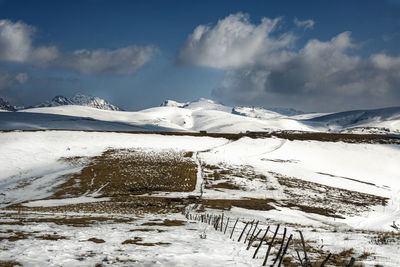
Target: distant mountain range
<point>87,112</point>
<point>210,104</point>
<point>78,99</point>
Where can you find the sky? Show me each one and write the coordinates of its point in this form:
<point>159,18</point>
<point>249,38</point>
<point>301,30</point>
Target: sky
<point>308,55</point>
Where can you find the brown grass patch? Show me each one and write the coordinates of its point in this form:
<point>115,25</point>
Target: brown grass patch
<point>9,263</point>
<point>78,221</point>
<point>290,135</point>
<point>317,210</point>
<point>17,235</point>
<point>126,171</point>
<point>385,238</point>
<point>50,237</point>
<point>166,222</point>
<point>118,205</point>
<point>226,185</point>
<point>138,240</point>
<point>226,204</point>
<point>188,154</point>
<point>96,240</point>
<point>325,200</point>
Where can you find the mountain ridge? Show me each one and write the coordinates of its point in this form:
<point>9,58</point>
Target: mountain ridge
<point>5,105</point>
<point>80,100</point>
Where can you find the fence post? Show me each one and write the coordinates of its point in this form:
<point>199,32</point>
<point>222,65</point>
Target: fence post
<point>304,249</point>
<point>234,227</point>
<point>251,227</point>
<point>252,239</point>
<point>299,257</point>
<point>226,225</point>
<point>284,251</point>
<point>270,245</point>
<point>326,260</point>
<point>244,229</point>
<point>222,221</point>
<point>259,245</point>
<point>252,234</point>
<point>351,263</point>
<point>281,247</point>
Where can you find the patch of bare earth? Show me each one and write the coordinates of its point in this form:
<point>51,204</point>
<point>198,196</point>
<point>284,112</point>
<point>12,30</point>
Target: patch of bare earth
<point>127,171</point>
<point>325,200</point>
<point>227,204</point>
<point>229,177</point>
<point>124,175</point>
<point>138,241</point>
<point>9,263</point>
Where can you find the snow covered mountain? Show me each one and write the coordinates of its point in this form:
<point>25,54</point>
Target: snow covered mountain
<point>79,100</point>
<point>85,112</point>
<point>5,106</point>
<point>384,120</point>
<point>172,103</point>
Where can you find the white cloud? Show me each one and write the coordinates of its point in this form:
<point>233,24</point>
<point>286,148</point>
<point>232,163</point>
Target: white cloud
<point>262,67</point>
<point>233,42</point>
<point>306,24</point>
<point>16,45</point>
<point>322,76</point>
<point>124,60</point>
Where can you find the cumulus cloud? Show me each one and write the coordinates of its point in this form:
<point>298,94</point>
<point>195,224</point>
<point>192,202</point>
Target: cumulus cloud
<point>233,42</point>
<point>124,60</point>
<point>323,76</point>
<point>306,24</point>
<point>16,45</point>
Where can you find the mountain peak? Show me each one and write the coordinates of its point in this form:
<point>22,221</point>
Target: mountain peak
<point>172,103</point>
<point>80,100</point>
<point>4,105</point>
<point>62,100</point>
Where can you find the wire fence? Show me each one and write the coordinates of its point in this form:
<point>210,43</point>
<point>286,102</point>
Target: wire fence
<point>277,244</point>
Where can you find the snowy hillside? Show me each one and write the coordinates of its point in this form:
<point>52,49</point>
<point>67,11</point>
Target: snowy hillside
<point>172,103</point>
<point>385,120</point>
<point>194,117</point>
<point>201,115</point>
<point>80,100</point>
<point>254,112</point>
<point>71,198</point>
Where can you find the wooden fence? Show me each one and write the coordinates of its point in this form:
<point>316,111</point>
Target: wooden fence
<point>251,232</point>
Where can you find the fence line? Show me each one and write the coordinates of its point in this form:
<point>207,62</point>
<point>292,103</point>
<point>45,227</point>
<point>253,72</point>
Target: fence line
<point>218,221</point>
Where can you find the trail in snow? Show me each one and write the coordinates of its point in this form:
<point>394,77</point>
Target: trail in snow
<point>200,179</point>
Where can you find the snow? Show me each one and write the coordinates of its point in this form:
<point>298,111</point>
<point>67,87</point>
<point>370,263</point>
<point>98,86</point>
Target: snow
<point>81,100</point>
<point>172,103</point>
<point>184,246</point>
<point>34,157</point>
<point>372,169</point>
<point>32,166</point>
<point>201,115</point>
<point>63,202</point>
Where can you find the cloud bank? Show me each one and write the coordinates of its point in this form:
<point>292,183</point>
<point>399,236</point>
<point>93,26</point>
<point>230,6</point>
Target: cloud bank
<point>232,43</point>
<point>262,68</point>
<point>306,24</point>
<point>17,45</point>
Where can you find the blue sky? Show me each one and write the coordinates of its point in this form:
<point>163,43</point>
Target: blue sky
<point>319,55</point>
